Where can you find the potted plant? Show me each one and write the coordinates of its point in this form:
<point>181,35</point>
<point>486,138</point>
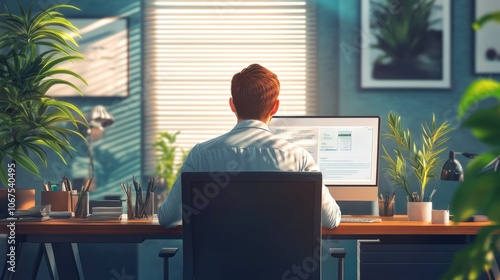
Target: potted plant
<point>167,170</point>
<point>408,158</point>
<point>480,190</point>
<point>31,121</point>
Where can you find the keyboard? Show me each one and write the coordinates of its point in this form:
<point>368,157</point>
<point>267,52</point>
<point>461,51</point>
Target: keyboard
<point>360,220</point>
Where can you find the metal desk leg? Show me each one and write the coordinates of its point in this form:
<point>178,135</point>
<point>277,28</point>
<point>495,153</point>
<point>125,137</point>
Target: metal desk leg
<point>78,264</point>
<point>51,261</point>
<point>37,262</point>
<point>64,260</point>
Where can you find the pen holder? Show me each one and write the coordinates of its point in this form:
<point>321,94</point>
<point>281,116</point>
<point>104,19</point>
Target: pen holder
<point>141,206</point>
<point>386,208</point>
<point>59,200</point>
<point>440,216</point>
<point>82,205</point>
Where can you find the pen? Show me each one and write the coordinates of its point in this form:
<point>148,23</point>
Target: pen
<point>45,186</point>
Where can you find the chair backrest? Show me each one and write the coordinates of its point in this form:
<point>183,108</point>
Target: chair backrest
<point>251,225</point>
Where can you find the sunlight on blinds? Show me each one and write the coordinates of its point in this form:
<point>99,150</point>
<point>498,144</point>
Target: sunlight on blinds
<point>193,48</point>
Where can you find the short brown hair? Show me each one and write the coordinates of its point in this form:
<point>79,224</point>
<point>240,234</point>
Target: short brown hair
<point>254,90</point>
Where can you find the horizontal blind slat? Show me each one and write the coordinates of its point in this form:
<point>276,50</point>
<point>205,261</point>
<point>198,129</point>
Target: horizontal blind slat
<point>192,49</point>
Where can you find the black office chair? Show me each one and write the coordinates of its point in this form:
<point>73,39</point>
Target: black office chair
<point>251,225</point>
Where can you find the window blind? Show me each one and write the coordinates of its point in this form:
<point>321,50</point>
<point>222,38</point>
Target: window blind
<point>191,50</point>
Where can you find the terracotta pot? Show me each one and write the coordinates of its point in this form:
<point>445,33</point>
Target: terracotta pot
<point>24,198</point>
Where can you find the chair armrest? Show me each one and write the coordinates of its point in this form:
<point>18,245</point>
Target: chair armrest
<point>339,253</point>
<point>166,254</point>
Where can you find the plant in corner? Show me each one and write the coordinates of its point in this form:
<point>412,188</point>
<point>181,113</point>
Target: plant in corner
<point>31,121</point>
<point>409,159</point>
<point>166,167</point>
<point>480,190</point>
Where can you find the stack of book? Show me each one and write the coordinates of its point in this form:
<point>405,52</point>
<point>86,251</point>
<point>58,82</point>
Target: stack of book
<point>106,213</point>
<point>36,213</point>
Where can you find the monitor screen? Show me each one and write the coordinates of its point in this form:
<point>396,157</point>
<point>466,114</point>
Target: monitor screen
<point>346,150</point>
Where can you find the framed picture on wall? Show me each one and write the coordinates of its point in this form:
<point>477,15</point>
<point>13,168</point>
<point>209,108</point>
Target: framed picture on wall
<point>104,44</point>
<point>487,45</point>
<point>406,44</point>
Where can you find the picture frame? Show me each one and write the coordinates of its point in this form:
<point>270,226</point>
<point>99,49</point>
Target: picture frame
<point>486,45</point>
<point>104,44</point>
<point>393,57</point>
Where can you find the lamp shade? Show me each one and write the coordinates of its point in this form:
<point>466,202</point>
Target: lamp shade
<point>99,119</point>
<point>102,116</point>
<point>452,169</point>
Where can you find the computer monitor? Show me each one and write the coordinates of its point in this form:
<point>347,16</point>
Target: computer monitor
<point>346,150</point>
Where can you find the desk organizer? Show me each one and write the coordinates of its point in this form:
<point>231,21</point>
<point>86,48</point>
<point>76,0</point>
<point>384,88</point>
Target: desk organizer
<point>59,200</point>
<point>143,206</point>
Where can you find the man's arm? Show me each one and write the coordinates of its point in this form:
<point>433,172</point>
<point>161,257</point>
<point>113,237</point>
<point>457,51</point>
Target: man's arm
<point>330,210</point>
<point>170,212</point>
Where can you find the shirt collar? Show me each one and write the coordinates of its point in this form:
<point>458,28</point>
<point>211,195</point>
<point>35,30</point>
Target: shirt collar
<point>251,124</point>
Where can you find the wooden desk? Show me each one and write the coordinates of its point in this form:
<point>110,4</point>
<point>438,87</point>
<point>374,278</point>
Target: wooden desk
<point>397,226</point>
<point>56,234</point>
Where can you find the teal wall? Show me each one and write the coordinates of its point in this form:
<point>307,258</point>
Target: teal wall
<point>118,155</point>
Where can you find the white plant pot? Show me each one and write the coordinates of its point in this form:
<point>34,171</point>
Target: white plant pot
<point>419,211</point>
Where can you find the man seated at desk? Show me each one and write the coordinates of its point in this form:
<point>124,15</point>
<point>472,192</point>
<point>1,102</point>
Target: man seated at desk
<point>249,146</point>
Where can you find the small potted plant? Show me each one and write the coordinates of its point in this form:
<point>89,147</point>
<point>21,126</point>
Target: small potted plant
<point>167,169</point>
<point>32,123</point>
<point>409,159</point>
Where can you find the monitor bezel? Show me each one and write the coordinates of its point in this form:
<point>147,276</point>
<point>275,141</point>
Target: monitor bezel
<point>347,192</point>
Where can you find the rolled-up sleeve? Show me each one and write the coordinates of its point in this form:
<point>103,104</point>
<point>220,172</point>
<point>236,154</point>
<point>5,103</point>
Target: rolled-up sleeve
<point>330,210</point>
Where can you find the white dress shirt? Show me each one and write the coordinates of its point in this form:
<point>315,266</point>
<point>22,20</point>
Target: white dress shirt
<point>249,146</point>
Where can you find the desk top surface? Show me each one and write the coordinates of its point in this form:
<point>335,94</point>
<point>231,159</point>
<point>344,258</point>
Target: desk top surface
<point>397,225</point>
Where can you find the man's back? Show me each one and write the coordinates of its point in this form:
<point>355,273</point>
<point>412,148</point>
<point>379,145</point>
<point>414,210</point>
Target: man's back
<point>249,146</point>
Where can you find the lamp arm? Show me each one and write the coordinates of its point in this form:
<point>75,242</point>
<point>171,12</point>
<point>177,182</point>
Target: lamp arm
<point>467,155</point>
<point>91,158</point>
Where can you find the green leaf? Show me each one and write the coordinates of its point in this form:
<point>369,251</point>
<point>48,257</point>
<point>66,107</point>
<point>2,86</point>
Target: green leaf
<point>478,24</point>
<point>474,195</point>
<point>471,261</point>
<point>26,163</point>
<point>3,173</point>
<point>485,125</point>
<point>31,122</point>
<point>478,90</point>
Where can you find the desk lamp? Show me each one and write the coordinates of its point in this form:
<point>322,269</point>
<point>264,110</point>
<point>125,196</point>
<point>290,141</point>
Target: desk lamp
<point>453,171</point>
<point>99,119</point>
